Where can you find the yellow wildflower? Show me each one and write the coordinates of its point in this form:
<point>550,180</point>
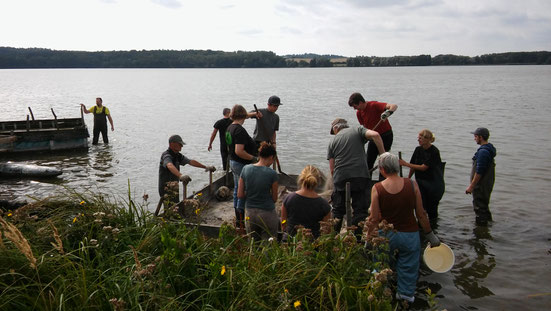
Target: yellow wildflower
<point>82,202</point>
<point>74,220</point>
<point>296,304</point>
<point>199,194</point>
<point>197,211</point>
<point>284,221</point>
<point>247,218</point>
<point>286,291</point>
<point>223,270</point>
<point>9,214</point>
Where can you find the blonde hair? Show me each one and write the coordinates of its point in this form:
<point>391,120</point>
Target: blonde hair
<point>428,135</point>
<point>310,177</point>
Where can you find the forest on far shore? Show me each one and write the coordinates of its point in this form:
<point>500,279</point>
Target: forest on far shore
<point>18,58</point>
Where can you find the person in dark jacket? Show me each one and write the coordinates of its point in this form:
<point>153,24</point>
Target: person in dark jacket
<point>482,176</point>
<point>101,115</point>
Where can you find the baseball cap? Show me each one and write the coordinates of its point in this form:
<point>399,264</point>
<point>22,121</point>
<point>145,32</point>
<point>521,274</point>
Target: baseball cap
<point>274,100</point>
<point>176,139</point>
<point>482,131</point>
<point>337,121</point>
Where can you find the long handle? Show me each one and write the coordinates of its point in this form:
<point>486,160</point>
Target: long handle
<point>276,158</point>
<point>400,157</point>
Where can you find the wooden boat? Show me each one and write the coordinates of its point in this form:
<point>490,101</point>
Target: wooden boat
<point>43,135</point>
<point>17,170</point>
<point>204,211</point>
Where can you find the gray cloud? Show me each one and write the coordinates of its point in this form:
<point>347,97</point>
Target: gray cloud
<point>172,4</point>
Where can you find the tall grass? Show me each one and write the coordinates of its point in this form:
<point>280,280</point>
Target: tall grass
<point>93,252</point>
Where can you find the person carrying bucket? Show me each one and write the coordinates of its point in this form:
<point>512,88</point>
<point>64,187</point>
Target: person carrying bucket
<point>398,201</point>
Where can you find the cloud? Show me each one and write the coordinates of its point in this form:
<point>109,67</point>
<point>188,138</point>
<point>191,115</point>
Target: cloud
<point>172,4</point>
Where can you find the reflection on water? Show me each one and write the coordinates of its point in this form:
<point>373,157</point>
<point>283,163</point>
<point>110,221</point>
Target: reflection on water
<point>469,274</point>
<point>101,162</point>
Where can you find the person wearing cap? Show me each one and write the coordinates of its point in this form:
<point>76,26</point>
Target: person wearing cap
<point>101,115</point>
<point>482,176</point>
<point>169,170</point>
<point>267,122</point>
<point>373,115</point>
<point>220,127</point>
<point>398,201</point>
<point>347,164</point>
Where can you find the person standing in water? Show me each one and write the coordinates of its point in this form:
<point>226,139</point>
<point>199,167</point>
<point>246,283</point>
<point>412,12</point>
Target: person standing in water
<point>428,168</point>
<point>101,115</point>
<point>220,126</point>
<point>482,176</point>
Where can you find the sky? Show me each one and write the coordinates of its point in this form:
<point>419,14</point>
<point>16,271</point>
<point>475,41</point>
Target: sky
<point>341,27</point>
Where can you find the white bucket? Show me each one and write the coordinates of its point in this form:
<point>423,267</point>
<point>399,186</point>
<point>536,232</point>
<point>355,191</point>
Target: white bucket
<point>439,259</point>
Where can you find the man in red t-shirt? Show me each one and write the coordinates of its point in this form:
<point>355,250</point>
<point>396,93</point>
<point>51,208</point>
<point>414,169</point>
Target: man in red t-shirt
<point>373,115</point>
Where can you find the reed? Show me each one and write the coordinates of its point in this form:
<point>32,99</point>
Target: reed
<point>113,254</point>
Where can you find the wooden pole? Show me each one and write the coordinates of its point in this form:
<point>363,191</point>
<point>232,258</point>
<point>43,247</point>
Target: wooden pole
<point>400,157</point>
<point>348,206</point>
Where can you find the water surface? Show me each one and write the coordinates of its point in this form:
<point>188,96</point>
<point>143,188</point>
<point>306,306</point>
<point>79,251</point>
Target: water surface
<point>503,266</point>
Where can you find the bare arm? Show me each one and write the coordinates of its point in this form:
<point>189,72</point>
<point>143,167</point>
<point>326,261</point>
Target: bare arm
<point>414,167</point>
<point>241,189</point>
<point>375,213</point>
<point>420,212</point>
<point>212,136</point>
<point>476,179</point>
<point>83,107</point>
<point>274,191</point>
<point>173,170</point>
<point>240,152</point>
<point>369,134</point>
<point>391,107</point>
<point>331,165</point>
<point>111,121</point>
<point>196,164</point>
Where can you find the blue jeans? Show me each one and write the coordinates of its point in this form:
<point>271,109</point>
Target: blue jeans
<point>236,168</point>
<point>405,249</point>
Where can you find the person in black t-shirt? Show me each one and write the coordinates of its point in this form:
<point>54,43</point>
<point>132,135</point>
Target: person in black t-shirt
<point>428,168</point>
<point>220,126</point>
<point>242,151</point>
<point>305,207</point>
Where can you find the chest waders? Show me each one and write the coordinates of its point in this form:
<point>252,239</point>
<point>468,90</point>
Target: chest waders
<point>100,126</point>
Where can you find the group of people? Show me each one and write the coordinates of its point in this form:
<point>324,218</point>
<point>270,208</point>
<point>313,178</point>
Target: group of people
<point>402,202</point>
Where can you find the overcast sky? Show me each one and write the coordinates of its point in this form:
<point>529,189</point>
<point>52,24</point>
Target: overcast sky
<point>342,27</point>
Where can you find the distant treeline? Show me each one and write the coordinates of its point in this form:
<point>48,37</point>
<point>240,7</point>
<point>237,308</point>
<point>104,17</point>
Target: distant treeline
<point>46,58</point>
<point>510,58</point>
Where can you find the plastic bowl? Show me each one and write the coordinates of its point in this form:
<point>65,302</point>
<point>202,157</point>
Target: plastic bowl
<point>439,259</point>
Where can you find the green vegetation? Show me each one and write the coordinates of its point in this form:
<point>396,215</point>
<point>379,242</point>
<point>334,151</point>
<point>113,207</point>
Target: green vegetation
<point>96,253</point>
<point>46,58</point>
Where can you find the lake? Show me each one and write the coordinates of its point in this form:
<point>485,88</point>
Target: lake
<point>503,266</point>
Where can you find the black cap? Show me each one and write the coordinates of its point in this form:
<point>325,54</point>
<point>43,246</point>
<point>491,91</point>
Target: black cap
<point>483,132</point>
<point>274,100</point>
<point>176,139</point>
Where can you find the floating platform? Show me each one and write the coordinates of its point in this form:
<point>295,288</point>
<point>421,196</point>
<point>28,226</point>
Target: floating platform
<point>32,135</point>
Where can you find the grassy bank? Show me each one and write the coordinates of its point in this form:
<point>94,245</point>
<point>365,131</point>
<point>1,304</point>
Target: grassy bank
<point>93,252</point>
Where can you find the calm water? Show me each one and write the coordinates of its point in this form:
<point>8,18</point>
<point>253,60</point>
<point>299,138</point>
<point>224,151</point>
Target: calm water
<point>504,266</point>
